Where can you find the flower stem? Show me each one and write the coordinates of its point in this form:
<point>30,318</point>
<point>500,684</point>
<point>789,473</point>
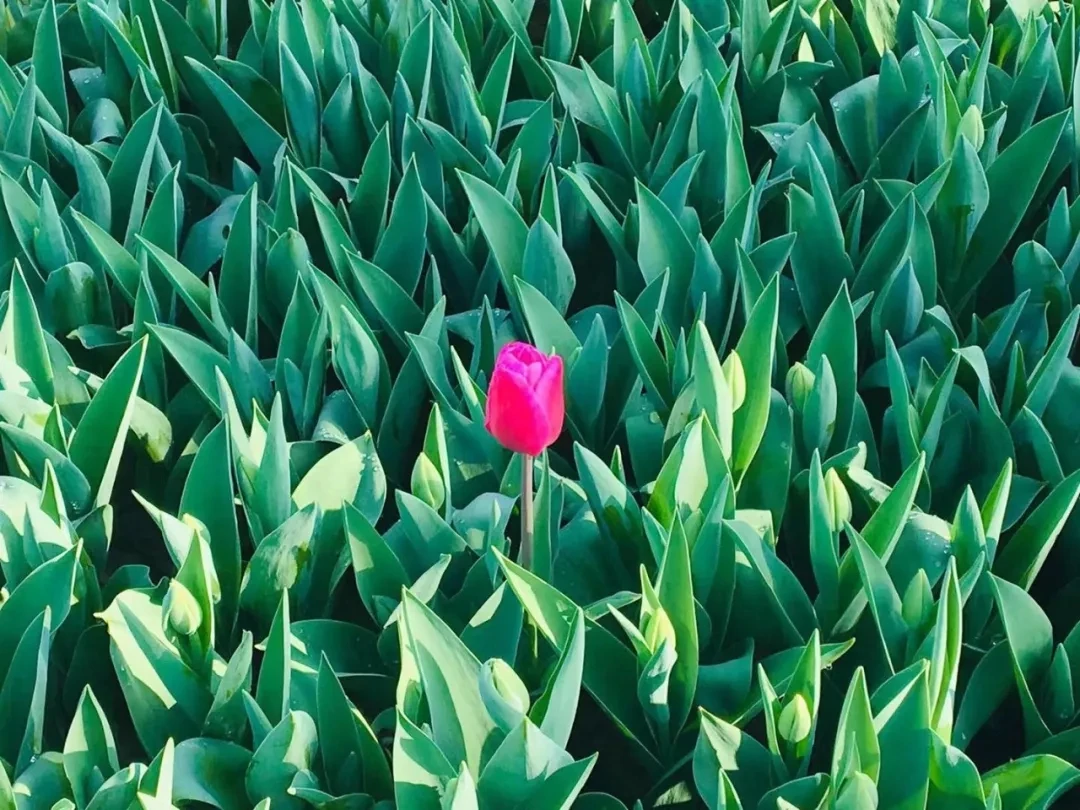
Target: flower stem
<point>525,555</point>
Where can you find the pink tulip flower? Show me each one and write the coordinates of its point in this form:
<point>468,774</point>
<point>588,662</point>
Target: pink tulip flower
<point>525,406</point>
<point>525,411</point>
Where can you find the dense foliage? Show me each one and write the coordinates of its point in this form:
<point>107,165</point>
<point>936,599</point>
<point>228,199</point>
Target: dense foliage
<point>806,540</point>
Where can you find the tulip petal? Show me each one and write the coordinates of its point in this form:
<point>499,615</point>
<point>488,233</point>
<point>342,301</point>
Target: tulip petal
<point>549,392</point>
<point>523,353</point>
<point>514,415</point>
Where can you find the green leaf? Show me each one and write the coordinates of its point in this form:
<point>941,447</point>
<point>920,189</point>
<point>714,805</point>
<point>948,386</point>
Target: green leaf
<point>118,263</point>
<point>1012,180</point>
<point>646,355</point>
<point>724,752</point>
<point>48,64</point>
<point>392,303</point>
<point>556,708</point>
<point>27,337</point>
<point>494,631</point>
<point>198,360</point>
<point>237,285</point>
<point>856,729</point>
<point>89,749</point>
<point>276,668</point>
<point>885,604</point>
<point>129,175</point>
<point>7,795</point>
<point>614,508</point>
<point>402,247</point>
<point>945,655</point>
<point>756,350</point>
<point>674,587</point>
<point>210,772</point>
<point>1044,378</point>
<point>378,571</point>
<point>546,325</point>
<point>261,138</point>
<point>352,756</point>
<point>350,474</point>
<point>1030,639</point>
<point>227,718</point>
<point>49,586</point>
<point>663,247</point>
<point>288,750</point>
<point>46,780</point>
<point>22,698</point>
<point>1023,556</point>
<point>547,267</point>
<point>1031,783</point>
<point>421,770</point>
<point>609,667</point>
<point>197,297</point>
<point>778,594</point>
<point>505,231</point>
<point>835,339</point>
<point>881,533</point>
<point>902,718</point>
<point>98,441</point>
<point>301,108</point>
<point>449,674</point>
<point>165,696</point>
<point>819,262</point>
<point>954,779</point>
<point>209,496</point>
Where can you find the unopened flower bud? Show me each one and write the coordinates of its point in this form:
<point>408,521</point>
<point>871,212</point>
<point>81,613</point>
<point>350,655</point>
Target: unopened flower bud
<point>735,378</point>
<point>971,126</point>
<point>918,601</point>
<point>427,482</point>
<point>839,501</point>
<point>202,535</point>
<point>795,720</point>
<point>194,524</point>
<point>799,383</point>
<point>181,611</point>
<point>658,629</point>
<point>505,696</point>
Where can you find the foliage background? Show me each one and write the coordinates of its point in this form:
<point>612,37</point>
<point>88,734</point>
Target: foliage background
<point>806,541</point>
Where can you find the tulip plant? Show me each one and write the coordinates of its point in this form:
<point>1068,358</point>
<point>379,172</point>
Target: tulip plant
<point>525,412</point>
<point>774,303</point>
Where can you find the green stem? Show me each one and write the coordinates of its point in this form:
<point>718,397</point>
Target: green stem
<point>525,555</point>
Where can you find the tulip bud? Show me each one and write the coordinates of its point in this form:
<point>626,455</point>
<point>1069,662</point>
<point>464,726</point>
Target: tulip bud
<point>505,696</point>
<point>194,524</point>
<point>658,629</point>
<point>918,602</point>
<point>180,610</point>
<point>839,501</point>
<point>427,483</point>
<point>795,720</point>
<point>525,406</point>
<point>736,379</point>
<point>202,534</point>
<point>971,126</point>
<point>799,383</point>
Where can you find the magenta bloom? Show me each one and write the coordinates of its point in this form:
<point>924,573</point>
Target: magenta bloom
<point>525,399</point>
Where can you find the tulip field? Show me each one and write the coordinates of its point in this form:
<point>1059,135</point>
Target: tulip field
<point>539,405</point>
